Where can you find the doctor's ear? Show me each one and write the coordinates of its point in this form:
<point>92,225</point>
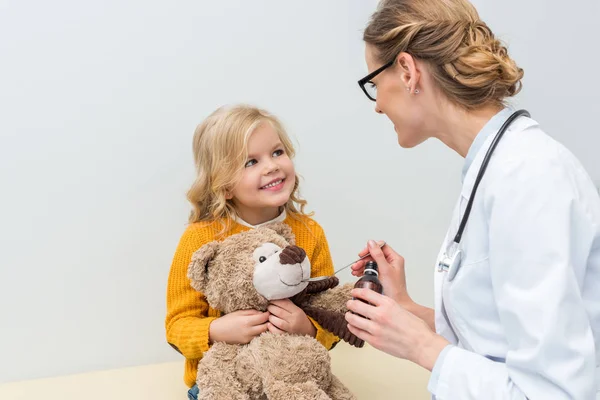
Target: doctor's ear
<point>409,70</point>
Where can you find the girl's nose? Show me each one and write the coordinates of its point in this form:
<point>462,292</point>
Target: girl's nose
<point>271,167</point>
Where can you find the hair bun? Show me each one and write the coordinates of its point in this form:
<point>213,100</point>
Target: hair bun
<point>483,62</point>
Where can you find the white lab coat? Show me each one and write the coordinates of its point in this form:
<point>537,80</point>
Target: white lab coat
<point>523,310</point>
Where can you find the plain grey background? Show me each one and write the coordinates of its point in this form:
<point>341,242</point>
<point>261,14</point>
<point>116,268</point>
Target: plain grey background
<point>99,102</point>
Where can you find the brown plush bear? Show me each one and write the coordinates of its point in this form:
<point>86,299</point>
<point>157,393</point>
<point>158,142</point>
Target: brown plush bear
<point>246,271</point>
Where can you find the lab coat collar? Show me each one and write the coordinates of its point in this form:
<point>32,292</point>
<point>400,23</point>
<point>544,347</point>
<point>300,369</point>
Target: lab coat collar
<point>519,124</point>
<point>489,129</point>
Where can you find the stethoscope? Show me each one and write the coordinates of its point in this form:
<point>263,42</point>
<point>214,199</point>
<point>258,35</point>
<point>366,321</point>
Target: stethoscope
<point>451,258</point>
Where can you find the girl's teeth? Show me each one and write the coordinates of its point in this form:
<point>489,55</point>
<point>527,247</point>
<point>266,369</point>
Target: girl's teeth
<point>273,184</point>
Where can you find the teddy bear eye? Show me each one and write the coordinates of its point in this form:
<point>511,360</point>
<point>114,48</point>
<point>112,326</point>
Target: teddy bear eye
<point>262,259</point>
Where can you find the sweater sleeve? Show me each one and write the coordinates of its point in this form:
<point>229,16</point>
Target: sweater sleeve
<point>187,322</point>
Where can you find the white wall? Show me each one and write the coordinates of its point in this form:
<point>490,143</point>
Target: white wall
<point>557,44</point>
<point>99,102</point>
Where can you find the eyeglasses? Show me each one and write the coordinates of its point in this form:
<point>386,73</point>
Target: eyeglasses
<point>369,87</point>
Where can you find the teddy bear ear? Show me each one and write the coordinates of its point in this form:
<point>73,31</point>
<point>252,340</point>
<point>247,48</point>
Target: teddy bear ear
<point>283,230</point>
<point>198,267</point>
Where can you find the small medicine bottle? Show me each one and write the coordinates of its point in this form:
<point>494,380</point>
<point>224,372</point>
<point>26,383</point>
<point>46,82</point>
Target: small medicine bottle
<point>370,278</point>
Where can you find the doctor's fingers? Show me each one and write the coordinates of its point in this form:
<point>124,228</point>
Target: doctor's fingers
<point>366,325</point>
<point>359,333</point>
<point>366,249</point>
<point>369,296</point>
<point>386,253</point>
<point>390,254</point>
<point>384,266</point>
<point>360,308</point>
<point>387,335</point>
<point>358,268</point>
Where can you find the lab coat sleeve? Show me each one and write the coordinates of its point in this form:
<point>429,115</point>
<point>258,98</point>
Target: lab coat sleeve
<point>538,237</point>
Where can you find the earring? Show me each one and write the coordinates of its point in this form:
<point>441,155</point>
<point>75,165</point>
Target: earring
<point>417,91</point>
<point>408,88</point>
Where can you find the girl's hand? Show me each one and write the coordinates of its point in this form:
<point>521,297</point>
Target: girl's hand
<point>288,317</point>
<point>391,270</point>
<point>387,326</point>
<point>238,327</point>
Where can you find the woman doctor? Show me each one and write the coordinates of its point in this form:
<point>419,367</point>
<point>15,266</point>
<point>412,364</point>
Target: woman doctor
<point>517,296</point>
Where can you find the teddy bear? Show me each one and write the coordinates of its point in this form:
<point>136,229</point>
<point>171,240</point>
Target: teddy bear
<point>246,271</point>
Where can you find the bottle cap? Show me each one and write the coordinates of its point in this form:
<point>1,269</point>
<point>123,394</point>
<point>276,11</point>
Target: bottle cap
<point>371,266</point>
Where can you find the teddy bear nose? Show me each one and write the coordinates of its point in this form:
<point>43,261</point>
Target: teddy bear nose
<point>292,255</point>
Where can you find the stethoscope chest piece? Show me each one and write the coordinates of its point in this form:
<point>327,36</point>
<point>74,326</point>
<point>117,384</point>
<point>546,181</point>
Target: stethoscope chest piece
<point>450,264</point>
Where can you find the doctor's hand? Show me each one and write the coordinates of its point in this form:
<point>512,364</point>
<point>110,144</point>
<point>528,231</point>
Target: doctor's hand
<point>391,270</point>
<point>389,327</point>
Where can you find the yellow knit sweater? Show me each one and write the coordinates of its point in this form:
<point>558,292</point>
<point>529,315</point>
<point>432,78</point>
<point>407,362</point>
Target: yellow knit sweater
<point>188,314</point>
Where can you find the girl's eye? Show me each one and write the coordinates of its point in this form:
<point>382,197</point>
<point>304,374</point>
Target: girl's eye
<point>278,153</point>
<point>250,163</point>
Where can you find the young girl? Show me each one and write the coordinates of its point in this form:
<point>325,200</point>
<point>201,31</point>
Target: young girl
<point>245,178</point>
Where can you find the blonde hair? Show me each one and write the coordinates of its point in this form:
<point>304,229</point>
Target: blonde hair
<point>220,152</point>
<point>469,65</point>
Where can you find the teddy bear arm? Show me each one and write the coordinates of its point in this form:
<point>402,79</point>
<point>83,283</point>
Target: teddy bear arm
<point>334,322</point>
